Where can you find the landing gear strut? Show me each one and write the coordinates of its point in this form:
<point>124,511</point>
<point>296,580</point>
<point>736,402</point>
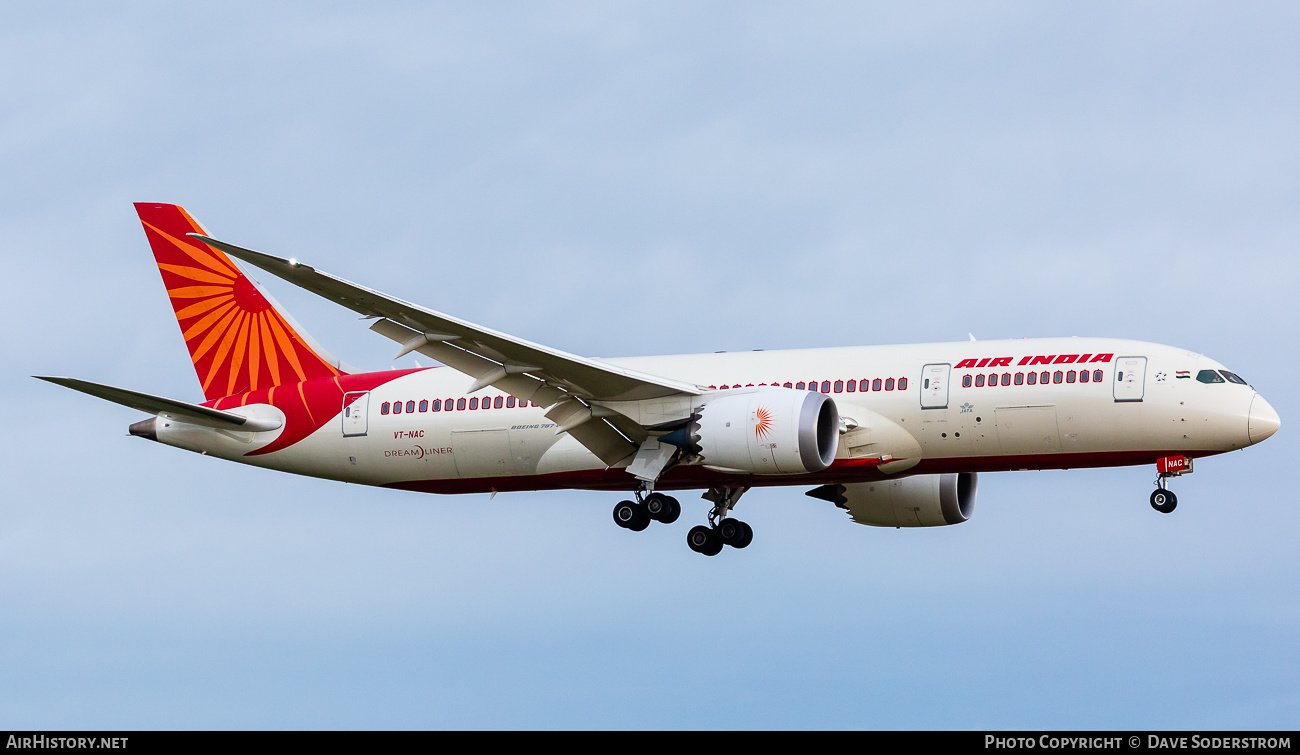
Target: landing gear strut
<point>1162,498</point>
<point>637,515</point>
<point>721,529</point>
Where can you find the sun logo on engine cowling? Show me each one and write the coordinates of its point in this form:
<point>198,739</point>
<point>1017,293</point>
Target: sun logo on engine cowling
<point>763,426</point>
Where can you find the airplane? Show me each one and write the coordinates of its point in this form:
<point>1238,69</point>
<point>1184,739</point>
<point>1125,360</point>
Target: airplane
<point>895,435</point>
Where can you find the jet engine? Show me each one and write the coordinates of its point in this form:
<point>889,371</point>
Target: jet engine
<point>766,430</point>
<point>919,501</point>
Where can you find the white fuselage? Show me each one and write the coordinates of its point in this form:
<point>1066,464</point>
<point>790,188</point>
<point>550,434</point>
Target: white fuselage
<point>1141,401</point>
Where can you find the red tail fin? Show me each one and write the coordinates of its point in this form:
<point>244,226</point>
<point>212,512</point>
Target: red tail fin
<point>237,340</point>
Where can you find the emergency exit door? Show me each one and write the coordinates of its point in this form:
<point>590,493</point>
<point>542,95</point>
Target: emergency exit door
<point>1130,378</point>
<point>934,386</point>
<point>354,413</point>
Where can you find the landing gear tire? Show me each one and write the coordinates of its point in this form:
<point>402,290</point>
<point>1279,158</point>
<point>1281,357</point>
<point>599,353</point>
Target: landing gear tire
<point>631,515</point>
<point>1164,501</point>
<point>662,508</point>
<point>671,516</point>
<point>704,540</point>
<point>735,533</point>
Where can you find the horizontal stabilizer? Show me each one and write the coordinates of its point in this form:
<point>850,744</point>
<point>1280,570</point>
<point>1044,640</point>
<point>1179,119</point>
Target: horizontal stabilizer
<point>166,407</point>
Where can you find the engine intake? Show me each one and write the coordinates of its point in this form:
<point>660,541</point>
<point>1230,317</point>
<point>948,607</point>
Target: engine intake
<point>767,430</point>
<point>919,501</point>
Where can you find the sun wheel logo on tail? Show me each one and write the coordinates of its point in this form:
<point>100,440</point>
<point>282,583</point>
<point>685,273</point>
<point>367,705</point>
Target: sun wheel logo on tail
<point>237,341</point>
<point>245,352</point>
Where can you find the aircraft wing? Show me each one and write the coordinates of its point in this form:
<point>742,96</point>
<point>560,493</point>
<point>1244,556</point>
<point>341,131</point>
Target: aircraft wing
<point>548,377</point>
<point>181,411</point>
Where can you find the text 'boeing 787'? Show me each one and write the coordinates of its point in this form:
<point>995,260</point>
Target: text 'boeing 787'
<point>895,435</point>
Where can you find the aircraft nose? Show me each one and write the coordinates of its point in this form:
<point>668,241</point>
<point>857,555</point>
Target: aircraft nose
<point>1263,419</point>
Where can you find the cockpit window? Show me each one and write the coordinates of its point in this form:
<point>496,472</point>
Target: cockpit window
<point>1209,376</point>
<point>1232,377</point>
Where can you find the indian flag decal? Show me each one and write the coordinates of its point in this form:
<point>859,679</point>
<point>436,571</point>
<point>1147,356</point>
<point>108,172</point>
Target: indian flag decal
<point>1180,374</point>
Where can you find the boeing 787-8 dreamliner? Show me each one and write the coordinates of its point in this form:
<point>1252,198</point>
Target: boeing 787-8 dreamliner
<point>895,435</point>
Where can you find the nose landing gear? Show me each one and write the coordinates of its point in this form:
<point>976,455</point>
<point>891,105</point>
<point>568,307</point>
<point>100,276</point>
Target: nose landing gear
<point>1162,498</point>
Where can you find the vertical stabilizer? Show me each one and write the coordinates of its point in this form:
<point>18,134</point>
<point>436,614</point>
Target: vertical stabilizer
<point>237,339</point>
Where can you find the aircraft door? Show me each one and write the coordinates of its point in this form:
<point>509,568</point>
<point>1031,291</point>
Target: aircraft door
<point>1130,378</point>
<point>355,406</point>
<point>934,386</point>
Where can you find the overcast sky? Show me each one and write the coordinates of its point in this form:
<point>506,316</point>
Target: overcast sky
<point>645,178</point>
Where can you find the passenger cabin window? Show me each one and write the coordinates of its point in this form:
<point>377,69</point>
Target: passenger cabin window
<point>1083,376</point>
<point>1069,376</point>
<point>1209,376</point>
<point>902,384</point>
<point>826,386</point>
<point>410,406</point>
<point>1020,378</point>
<point>437,404</point>
<point>979,381</point>
<point>889,384</point>
<point>1033,378</point>
<point>788,384</point>
<point>383,408</point>
<point>877,384</point>
<point>965,381</point>
<point>424,405</point>
<point>1096,376</point>
<point>510,402</point>
<point>460,404</point>
<point>397,407</point>
<point>839,386</point>
<point>799,385</point>
<point>498,402</point>
<point>1232,377</point>
<point>1006,378</point>
<point>851,386</point>
<point>1046,376</point>
<point>1058,376</point>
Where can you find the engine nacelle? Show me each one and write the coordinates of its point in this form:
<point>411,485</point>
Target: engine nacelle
<point>920,501</point>
<point>767,430</point>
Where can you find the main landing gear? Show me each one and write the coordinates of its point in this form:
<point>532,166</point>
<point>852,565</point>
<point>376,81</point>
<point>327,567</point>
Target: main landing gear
<point>1162,498</point>
<point>655,507</point>
<point>709,540</point>
<point>721,530</point>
